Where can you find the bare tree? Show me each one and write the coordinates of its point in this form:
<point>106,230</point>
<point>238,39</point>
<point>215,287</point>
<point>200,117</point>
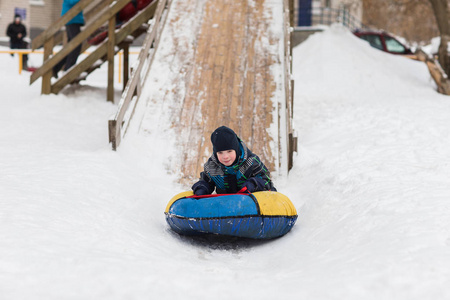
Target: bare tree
<point>441,10</point>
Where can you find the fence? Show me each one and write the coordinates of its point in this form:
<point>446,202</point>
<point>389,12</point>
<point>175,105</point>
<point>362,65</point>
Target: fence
<point>23,52</point>
<point>328,16</point>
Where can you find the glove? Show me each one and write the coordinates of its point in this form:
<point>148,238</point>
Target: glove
<point>248,187</point>
<point>200,191</point>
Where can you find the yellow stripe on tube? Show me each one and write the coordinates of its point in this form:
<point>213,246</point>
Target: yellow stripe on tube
<point>179,196</point>
<point>275,204</point>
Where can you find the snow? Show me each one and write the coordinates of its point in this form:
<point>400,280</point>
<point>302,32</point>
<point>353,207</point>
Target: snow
<point>370,182</point>
<point>433,48</point>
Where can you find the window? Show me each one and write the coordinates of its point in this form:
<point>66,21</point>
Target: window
<point>37,2</point>
<point>393,45</point>
<point>374,41</point>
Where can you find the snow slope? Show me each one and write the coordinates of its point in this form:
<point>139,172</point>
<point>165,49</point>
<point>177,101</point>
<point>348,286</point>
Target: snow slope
<point>370,181</point>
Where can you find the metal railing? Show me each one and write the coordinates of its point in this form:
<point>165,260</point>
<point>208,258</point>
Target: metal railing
<point>328,16</point>
<point>23,52</point>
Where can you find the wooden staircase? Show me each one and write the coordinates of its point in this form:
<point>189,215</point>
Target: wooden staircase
<point>98,13</point>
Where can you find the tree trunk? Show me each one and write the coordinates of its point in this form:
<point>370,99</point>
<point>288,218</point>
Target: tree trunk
<point>441,10</point>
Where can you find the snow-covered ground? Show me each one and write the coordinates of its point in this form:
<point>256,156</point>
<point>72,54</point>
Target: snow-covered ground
<point>433,47</point>
<point>370,182</point>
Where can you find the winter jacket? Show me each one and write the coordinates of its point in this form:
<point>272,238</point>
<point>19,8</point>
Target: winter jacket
<point>13,30</point>
<point>226,180</point>
<point>67,5</point>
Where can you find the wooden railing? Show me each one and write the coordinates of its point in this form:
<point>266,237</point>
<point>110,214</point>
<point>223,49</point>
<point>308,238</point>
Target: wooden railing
<point>437,73</point>
<point>289,83</point>
<point>101,12</point>
<point>119,123</point>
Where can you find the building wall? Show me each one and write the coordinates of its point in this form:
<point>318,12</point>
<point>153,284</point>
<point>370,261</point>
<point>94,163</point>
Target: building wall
<point>43,15</point>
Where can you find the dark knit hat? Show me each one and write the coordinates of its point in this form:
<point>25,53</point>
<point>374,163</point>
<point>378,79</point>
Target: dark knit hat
<point>223,138</point>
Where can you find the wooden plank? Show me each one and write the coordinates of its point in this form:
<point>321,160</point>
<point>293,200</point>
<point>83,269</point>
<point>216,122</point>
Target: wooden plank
<point>76,70</point>
<point>111,53</point>
<point>240,45</point>
<point>126,64</point>
<point>49,64</point>
<point>222,61</point>
<point>209,83</point>
<point>46,79</point>
<point>94,8</point>
<point>114,133</point>
<point>196,93</point>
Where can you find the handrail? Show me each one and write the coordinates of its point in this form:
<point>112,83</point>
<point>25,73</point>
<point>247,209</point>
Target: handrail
<point>58,24</point>
<point>53,60</point>
<point>101,50</point>
<point>25,52</point>
<point>291,142</point>
<point>436,72</point>
<point>93,9</point>
<point>133,88</point>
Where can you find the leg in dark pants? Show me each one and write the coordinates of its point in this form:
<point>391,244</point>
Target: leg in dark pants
<point>21,45</point>
<point>72,31</point>
<point>71,59</point>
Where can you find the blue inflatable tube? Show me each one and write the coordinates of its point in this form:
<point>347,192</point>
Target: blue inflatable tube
<point>261,215</point>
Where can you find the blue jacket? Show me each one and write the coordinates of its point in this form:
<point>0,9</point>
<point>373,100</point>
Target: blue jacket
<point>67,5</point>
<point>226,180</point>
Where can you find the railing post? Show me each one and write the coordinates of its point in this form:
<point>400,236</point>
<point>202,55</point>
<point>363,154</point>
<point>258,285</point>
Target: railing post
<point>110,55</point>
<point>114,133</point>
<point>138,85</point>
<point>291,13</point>
<point>46,78</point>
<point>126,65</point>
<point>119,65</point>
<point>20,62</point>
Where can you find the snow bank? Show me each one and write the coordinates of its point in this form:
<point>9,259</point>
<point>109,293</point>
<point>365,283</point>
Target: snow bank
<point>371,172</point>
<point>433,48</point>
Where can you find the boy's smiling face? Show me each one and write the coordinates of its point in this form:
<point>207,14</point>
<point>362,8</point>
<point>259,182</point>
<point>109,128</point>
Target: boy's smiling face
<point>226,157</point>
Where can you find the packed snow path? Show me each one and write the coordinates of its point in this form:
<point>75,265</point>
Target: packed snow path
<point>370,182</point>
<point>219,64</point>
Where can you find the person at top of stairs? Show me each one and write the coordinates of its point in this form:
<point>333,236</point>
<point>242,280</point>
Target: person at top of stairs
<point>73,28</point>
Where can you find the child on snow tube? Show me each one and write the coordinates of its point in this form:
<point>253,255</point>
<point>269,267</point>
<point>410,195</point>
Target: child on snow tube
<point>232,167</point>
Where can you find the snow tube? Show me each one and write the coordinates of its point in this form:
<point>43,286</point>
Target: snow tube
<point>99,36</point>
<point>126,13</point>
<point>131,9</point>
<point>261,215</point>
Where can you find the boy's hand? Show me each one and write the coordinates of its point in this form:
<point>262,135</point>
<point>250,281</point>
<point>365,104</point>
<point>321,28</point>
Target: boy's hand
<point>248,187</point>
<point>200,191</point>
